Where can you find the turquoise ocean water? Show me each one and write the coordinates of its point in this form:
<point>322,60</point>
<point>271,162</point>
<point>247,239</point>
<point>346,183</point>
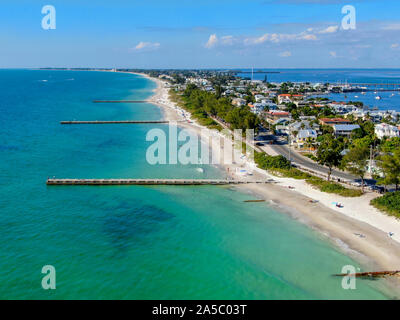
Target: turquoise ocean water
<point>133,242</point>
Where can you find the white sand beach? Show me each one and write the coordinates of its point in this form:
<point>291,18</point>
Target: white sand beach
<point>358,228</point>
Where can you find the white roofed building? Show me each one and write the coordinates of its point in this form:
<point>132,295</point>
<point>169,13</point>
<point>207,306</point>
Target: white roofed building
<point>386,130</point>
<point>344,129</point>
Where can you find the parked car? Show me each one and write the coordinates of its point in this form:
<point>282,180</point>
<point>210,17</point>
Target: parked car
<point>356,184</point>
<point>379,189</point>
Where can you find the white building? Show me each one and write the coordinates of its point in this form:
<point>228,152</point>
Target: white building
<point>344,129</point>
<point>238,102</point>
<point>304,135</point>
<point>259,97</point>
<point>386,130</point>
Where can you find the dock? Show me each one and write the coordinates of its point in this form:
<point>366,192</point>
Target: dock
<point>121,101</point>
<point>116,122</point>
<point>180,182</point>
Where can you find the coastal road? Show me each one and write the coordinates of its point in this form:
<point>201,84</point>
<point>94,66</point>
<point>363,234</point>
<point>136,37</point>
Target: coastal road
<point>279,146</point>
<point>309,164</point>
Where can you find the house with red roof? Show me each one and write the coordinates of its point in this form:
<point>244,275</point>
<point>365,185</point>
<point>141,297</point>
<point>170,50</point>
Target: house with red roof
<point>276,114</point>
<point>288,98</point>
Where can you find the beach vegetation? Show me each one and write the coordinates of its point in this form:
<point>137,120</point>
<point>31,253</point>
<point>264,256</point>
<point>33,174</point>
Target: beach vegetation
<point>333,187</point>
<point>267,162</point>
<point>291,173</point>
<point>388,203</point>
<point>280,166</point>
<point>205,105</point>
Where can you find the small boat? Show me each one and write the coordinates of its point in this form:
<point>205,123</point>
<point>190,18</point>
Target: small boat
<point>355,96</point>
<point>378,97</point>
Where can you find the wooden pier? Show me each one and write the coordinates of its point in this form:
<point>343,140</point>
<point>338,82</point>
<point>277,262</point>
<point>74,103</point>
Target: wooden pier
<point>115,122</point>
<point>121,101</point>
<point>180,182</point>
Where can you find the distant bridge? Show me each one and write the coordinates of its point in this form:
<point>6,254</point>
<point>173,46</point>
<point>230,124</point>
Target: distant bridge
<point>255,71</point>
<point>367,84</point>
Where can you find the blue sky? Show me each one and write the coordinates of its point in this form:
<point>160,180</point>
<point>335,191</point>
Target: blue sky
<point>200,34</point>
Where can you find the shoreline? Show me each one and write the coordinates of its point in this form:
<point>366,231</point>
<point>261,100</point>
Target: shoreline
<point>342,227</point>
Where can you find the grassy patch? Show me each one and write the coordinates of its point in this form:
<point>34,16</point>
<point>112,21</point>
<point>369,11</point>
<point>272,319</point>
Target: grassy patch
<point>206,121</point>
<point>310,156</point>
<point>389,203</point>
<point>291,173</point>
<point>333,187</point>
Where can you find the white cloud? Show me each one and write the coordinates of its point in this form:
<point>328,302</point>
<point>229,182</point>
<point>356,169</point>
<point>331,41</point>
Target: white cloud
<point>212,41</point>
<point>285,54</point>
<point>331,29</point>
<point>147,46</point>
<point>280,37</point>
<point>394,46</point>
<point>263,38</point>
<point>309,37</point>
<point>333,54</point>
